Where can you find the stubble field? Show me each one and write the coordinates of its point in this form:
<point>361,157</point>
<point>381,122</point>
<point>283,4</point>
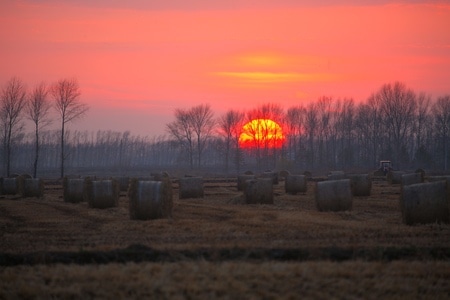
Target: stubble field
<point>217,247</point>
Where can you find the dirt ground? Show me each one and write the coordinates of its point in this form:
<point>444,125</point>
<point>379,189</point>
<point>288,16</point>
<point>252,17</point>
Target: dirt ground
<point>216,247</point>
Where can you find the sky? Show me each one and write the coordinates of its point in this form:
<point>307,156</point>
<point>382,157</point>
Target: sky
<point>136,61</point>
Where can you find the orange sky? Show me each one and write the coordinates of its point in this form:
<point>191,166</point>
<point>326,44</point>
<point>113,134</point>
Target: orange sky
<point>137,62</point>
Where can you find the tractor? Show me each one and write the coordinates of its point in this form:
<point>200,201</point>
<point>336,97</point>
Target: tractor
<point>385,167</point>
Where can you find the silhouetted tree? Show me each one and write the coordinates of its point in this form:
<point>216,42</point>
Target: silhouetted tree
<point>421,122</point>
<point>230,125</point>
<point>345,123</point>
<point>13,101</point>
<point>441,112</point>
<point>398,106</point>
<point>202,121</point>
<point>38,108</point>
<point>311,124</point>
<point>294,129</point>
<point>181,129</point>
<point>66,94</point>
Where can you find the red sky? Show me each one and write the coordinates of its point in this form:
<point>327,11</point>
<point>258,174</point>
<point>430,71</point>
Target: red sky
<point>136,61</point>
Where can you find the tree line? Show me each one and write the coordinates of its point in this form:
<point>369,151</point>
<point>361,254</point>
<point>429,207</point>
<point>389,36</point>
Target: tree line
<point>16,103</point>
<point>394,123</point>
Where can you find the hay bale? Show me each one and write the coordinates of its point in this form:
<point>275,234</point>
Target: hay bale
<point>74,190</point>
<point>334,195</point>
<point>283,174</point>
<point>161,176</point>
<point>26,176</point>
<point>150,199</point>
<point>249,173</point>
<point>259,191</point>
<point>422,172</point>
<point>423,203</point>
<point>308,175</point>
<point>438,178</point>
<point>361,184</point>
<point>12,186</point>
<point>191,187</point>
<point>336,175</point>
<point>102,193</point>
<point>272,175</point>
<point>413,178</point>
<point>241,181</point>
<point>33,187</point>
<point>394,177</point>
<point>295,184</point>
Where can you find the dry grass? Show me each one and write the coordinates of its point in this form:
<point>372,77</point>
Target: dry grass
<point>230,280</point>
<point>214,222</point>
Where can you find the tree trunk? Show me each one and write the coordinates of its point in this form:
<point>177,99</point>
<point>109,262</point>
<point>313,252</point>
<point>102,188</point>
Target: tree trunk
<point>36,153</point>
<point>8,151</point>
<point>62,150</point>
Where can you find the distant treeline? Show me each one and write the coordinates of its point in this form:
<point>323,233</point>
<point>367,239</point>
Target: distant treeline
<point>395,123</point>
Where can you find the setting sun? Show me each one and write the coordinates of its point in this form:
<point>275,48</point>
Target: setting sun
<point>260,133</point>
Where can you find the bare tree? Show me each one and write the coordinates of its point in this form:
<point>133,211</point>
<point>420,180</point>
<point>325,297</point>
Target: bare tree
<point>325,118</point>
<point>422,121</point>
<point>182,131</point>
<point>398,106</point>
<point>311,127</point>
<point>294,120</point>
<point>38,109</point>
<point>13,100</point>
<point>230,125</point>
<point>203,123</point>
<point>344,129</point>
<point>441,112</point>
<point>66,93</point>
<point>192,128</point>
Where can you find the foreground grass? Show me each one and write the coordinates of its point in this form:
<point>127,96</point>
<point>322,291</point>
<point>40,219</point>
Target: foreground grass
<point>230,280</point>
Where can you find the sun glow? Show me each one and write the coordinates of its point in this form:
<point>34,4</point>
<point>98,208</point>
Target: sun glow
<point>261,133</point>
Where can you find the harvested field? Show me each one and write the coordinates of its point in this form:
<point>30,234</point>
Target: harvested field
<point>217,247</point>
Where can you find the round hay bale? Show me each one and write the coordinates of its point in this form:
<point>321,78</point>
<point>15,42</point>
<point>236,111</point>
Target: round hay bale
<point>421,171</point>
<point>413,178</point>
<point>334,195</point>
<point>33,187</point>
<point>361,184</point>
<point>74,190</point>
<point>394,177</point>
<point>12,186</point>
<point>272,175</point>
<point>283,174</point>
<point>438,178</point>
<point>102,193</point>
<point>150,199</point>
<point>161,176</point>
<point>191,187</point>
<point>259,191</point>
<point>295,184</point>
<point>308,175</point>
<point>241,181</point>
<point>336,175</point>
<point>249,173</point>
<point>424,203</point>
<point>26,176</point>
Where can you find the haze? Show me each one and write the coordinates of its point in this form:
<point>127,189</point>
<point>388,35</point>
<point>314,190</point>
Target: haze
<point>137,62</point>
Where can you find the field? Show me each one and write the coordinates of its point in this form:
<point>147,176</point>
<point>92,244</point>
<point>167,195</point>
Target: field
<point>217,247</point>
